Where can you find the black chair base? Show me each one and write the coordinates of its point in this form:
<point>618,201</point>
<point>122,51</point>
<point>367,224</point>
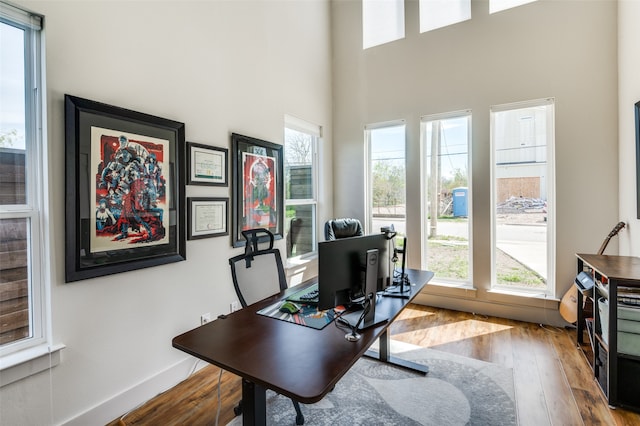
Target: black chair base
<point>299,416</point>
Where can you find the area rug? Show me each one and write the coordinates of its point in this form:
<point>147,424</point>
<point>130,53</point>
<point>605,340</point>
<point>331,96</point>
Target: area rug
<point>456,391</point>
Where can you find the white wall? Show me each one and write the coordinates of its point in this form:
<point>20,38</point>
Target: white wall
<point>217,66</point>
<point>561,49</point>
<point>629,84</point>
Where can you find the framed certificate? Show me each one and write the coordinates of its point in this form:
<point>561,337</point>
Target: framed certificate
<point>208,217</point>
<point>207,165</point>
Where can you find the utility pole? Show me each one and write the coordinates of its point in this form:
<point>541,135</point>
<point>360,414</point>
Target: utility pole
<point>434,183</point>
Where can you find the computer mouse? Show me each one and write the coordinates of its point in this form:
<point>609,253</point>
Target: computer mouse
<point>289,307</point>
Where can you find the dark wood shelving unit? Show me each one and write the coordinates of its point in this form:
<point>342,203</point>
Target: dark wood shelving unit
<point>618,374</point>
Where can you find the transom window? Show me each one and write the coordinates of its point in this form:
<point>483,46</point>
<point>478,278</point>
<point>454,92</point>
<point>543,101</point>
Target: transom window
<point>382,22</point>
<point>500,5</point>
<point>441,13</point>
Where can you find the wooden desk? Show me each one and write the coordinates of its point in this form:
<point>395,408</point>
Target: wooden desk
<point>296,361</point>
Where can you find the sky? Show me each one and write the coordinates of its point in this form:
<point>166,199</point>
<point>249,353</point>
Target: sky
<point>12,107</point>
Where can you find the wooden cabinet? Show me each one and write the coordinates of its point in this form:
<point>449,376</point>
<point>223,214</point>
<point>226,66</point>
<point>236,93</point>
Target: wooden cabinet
<point>604,345</point>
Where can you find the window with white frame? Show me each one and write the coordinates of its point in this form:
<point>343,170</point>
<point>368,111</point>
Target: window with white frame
<point>523,188</point>
<point>386,178</point>
<point>22,283</point>
<point>301,141</point>
<point>446,141</point>
<point>382,22</point>
<point>441,13</point>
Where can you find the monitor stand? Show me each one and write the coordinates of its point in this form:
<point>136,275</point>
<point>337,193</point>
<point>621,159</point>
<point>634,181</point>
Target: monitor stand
<point>402,288</point>
<point>355,319</point>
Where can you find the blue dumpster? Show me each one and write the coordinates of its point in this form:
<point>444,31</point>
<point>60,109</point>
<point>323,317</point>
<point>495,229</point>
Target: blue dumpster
<point>460,201</point>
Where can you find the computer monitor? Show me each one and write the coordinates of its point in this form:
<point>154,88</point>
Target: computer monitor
<point>341,268</point>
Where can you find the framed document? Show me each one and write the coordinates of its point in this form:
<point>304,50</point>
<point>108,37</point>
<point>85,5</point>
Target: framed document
<point>207,165</point>
<point>208,217</point>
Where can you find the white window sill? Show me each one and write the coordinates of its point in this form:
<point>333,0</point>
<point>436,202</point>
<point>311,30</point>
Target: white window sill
<point>539,300</point>
<point>28,362</point>
<point>462,290</point>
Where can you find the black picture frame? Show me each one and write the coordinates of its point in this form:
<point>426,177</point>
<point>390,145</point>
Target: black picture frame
<point>208,165</point>
<point>257,186</point>
<point>208,217</point>
<point>637,119</point>
<point>132,165</point>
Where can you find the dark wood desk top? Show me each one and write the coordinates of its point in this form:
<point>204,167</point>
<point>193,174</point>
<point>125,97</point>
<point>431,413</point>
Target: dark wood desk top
<point>296,361</point>
<point>622,268</point>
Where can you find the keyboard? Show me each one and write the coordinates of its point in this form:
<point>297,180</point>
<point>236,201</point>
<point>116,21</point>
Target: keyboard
<point>308,295</point>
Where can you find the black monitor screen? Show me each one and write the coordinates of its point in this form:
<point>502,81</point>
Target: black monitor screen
<point>341,268</point>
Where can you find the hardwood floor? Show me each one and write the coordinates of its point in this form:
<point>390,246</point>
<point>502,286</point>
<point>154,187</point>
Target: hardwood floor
<point>552,380</point>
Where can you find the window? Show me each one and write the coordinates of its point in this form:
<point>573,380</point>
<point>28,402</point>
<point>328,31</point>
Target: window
<point>22,312</point>
<point>300,168</point>
<point>385,145</point>
<point>499,5</point>
<point>441,13</point>
<point>382,22</point>
<point>447,205</point>
<point>522,140</point>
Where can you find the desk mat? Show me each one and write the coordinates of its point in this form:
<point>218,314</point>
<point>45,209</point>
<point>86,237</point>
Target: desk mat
<point>308,316</point>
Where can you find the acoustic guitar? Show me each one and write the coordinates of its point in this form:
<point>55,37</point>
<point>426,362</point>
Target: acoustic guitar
<point>569,302</point>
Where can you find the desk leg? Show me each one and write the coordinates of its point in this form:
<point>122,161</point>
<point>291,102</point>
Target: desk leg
<point>385,356</point>
<point>384,343</point>
<point>254,404</point>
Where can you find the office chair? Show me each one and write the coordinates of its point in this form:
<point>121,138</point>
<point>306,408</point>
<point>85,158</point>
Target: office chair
<point>342,228</point>
<point>295,226</point>
<point>258,274</point>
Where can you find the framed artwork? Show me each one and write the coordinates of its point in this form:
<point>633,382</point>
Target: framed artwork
<point>208,217</point>
<point>207,165</point>
<point>124,190</point>
<point>257,186</point>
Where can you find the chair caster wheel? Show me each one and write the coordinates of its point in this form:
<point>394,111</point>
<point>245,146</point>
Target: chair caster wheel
<point>237,410</point>
<point>300,419</point>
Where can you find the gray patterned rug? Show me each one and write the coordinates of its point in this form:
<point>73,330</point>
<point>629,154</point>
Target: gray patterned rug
<point>456,391</point>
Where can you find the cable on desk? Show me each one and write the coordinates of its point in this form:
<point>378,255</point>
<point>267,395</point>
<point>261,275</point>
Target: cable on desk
<point>337,321</point>
<point>345,325</point>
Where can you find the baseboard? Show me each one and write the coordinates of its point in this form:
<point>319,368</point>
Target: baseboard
<point>129,399</point>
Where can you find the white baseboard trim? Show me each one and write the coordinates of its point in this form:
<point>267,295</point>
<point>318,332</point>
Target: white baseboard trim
<point>136,395</point>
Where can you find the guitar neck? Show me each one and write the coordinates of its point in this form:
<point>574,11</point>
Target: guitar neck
<point>613,233</point>
<point>604,245</point>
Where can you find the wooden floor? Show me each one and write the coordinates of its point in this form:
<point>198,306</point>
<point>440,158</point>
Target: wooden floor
<point>553,383</point>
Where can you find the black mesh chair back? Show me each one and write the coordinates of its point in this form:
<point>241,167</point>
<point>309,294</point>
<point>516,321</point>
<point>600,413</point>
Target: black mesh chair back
<point>258,274</point>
